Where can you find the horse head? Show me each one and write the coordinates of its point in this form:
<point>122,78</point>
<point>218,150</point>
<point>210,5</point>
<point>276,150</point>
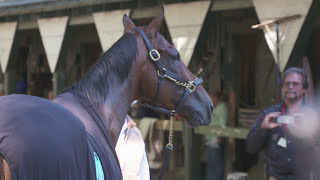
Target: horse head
<point>164,82</point>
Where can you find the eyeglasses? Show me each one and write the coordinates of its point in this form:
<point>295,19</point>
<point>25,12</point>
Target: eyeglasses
<point>294,84</point>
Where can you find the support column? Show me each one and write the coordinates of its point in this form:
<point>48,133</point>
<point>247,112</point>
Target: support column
<point>191,143</point>
<point>58,79</point>
<point>59,75</point>
<point>187,144</point>
<point>9,81</point>
<point>231,76</point>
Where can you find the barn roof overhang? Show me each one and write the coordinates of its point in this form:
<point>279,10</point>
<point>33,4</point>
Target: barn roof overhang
<point>24,10</point>
<point>13,8</point>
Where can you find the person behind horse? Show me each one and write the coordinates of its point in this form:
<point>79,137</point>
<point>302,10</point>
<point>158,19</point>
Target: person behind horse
<point>215,145</point>
<point>130,149</point>
<point>287,155</point>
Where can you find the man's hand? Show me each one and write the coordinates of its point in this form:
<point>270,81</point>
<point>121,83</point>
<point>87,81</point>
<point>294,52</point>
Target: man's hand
<point>269,121</point>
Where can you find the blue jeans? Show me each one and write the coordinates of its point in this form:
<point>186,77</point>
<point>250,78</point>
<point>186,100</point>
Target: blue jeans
<point>215,163</point>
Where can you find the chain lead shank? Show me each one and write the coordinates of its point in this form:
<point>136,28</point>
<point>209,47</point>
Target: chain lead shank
<point>170,138</point>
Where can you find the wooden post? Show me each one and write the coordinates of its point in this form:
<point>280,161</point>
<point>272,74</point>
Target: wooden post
<point>231,84</point>
<point>187,144</point>
<point>192,156</point>
<point>58,80</point>
<point>196,156</point>
<point>59,76</point>
<point>9,81</point>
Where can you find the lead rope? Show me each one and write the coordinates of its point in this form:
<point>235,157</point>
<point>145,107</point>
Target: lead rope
<point>169,148</point>
<point>170,143</point>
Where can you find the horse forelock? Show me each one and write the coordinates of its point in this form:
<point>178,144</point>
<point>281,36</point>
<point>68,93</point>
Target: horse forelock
<point>112,68</point>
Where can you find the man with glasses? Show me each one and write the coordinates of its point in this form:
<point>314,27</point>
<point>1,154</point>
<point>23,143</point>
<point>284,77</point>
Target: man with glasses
<point>284,132</point>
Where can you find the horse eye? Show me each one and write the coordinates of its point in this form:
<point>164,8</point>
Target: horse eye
<point>174,54</point>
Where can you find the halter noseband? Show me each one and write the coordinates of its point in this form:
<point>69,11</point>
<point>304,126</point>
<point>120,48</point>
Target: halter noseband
<point>190,86</point>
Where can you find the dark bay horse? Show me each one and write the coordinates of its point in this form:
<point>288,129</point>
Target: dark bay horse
<point>64,138</point>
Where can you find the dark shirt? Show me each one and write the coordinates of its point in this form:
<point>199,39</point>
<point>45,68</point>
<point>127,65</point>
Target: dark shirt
<point>292,162</point>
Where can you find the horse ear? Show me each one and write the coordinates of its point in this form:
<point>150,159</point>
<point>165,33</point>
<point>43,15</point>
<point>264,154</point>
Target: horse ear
<point>127,23</point>
<point>155,24</point>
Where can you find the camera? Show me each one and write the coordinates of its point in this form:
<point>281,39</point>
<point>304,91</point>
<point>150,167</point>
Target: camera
<point>285,119</point>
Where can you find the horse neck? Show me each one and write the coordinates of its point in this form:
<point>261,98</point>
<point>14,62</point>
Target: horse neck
<point>120,97</point>
<point>115,108</point>
<point>109,85</point>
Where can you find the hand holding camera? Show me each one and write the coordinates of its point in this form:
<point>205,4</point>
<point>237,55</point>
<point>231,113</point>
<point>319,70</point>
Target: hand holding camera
<point>269,121</point>
<point>275,119</point>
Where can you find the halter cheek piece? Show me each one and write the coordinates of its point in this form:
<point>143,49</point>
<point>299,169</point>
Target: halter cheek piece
<point>190,86</point>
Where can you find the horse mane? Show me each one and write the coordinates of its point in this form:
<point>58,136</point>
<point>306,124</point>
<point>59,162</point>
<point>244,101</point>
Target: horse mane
<point>113,67</point>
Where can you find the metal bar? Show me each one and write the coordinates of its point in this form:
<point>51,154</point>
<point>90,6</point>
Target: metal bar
<point>278,64</point>
<point>279,21</point>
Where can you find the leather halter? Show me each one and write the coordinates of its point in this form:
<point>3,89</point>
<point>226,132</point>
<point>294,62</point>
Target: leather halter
<point>190,86</point>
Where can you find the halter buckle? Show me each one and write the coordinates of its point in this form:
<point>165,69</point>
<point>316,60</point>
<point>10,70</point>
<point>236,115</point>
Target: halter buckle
<point>163,71</point>
<point>152,57</point>
<point>191,87</point>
